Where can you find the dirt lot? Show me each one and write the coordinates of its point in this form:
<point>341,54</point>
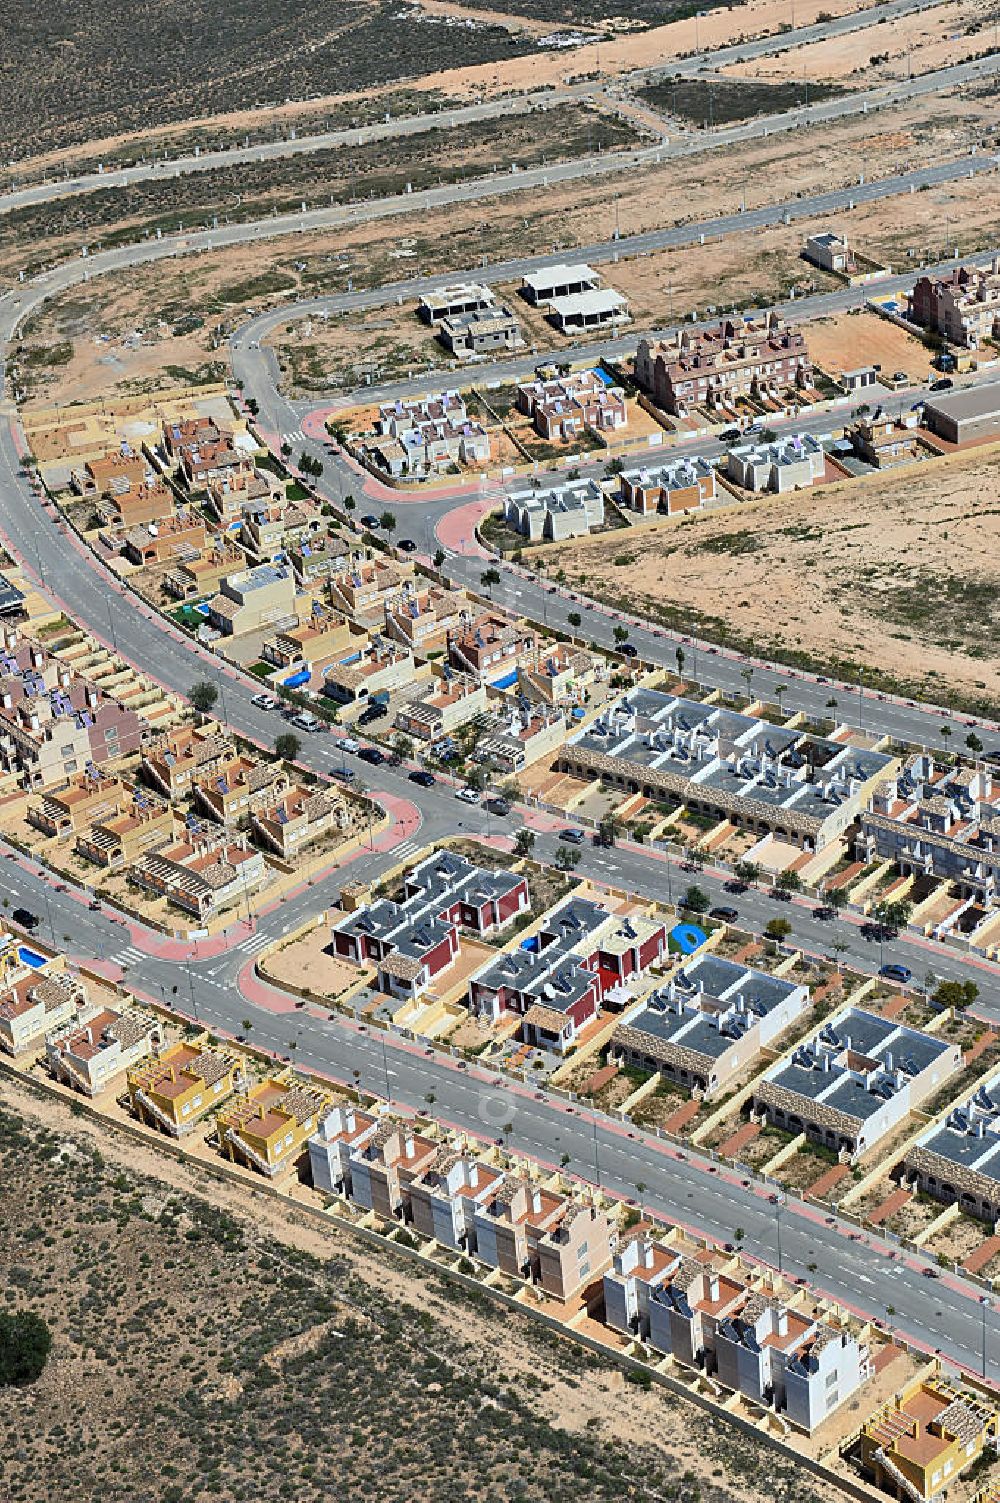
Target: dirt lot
<point>852,574</point>
<point>853,339</point>
<point>125,1250</point>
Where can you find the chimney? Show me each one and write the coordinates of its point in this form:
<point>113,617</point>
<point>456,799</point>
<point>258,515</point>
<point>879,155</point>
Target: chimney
<point>410,1148</point>
<point>713,1286</point>
<point>647,1257</point>
<point>782,1322</point>
<point>536,1200</point>
<point>473,1175</point>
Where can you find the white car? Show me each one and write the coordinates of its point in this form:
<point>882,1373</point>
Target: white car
<point>264,701</point>
<point>348,744</point>
<point>467,795</point>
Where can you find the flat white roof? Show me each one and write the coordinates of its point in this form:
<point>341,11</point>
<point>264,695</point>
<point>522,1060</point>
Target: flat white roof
<point>553,276</point>
<point>458,292</point>
<point>599,300</point>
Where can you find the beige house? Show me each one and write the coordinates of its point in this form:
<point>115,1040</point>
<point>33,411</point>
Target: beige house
<point>97,1045</point>
<point>298,816</point>
<point>454,700</point>
<point>37,1005</point>
<point>254,599</point>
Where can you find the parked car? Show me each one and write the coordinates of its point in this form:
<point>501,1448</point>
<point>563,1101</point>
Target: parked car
<point>729,435</point>
<point>348,744</point>
<point>825,912</point>
<point>26,918</point>
<point>264,701</point>
<point>423,778</point>
<point>944,384</point>
<point>345,774</point>
<point>725,914</point>
<point>370,521</point>
<point>498,806</point>
<point>779,894</point>
<point>895,972</point>
<point>306,721</point>
<point>467,795</point>
<point>572,837</point>
<point>372,754</point>
<point>407,545</point>
<point>629,650</point>
<point>375,711</point>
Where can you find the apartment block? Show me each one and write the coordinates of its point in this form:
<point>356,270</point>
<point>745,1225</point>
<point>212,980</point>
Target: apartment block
<point>790,464</point>
<point>769,779</point>
<point>362,590</point>
<point>180,758</point>
<point>567,510</point>
<point>524,734</point>
<point>293,818</point>
<point>540,287</point>
<point>177,1089</point>
<point>415,941</point>
<point>561,674</point>
<point>376,668</point>
<point>679,485</point>
<point>491,645</point>
<point>341,1131</point>
<point>579,955</point>
<point>451,702</point>
<point>725,1323</point>
<point>196,578</point>
<point>92,1049</point>
<point>202,875</point>
<point>254,599</point>
<point>422,437</point>
<point>958,1161</point>
<point>962,306</point>
<point>830,252</point>
<point>120,474</point>
<point>36,1005</point>
<point>580,311</point>
<point>708,1023</point>
<point>854,1081</point>
<point>564,408</point>
<point>924,1439</point>
<point>385,1165</point>
<point>139,822</point>
<point>445,1198</point>
<point>938,821</point>
<point>536,1234</point>
<point>322,637</point>
<point>719,366</point>
<point>266,1127</point>
<point>230,494</point>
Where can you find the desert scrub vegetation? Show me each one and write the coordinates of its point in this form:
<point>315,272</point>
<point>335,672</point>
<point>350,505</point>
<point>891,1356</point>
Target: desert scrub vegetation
<point>709,102</point>
<point>74,72</point>
<point>195,1357</point>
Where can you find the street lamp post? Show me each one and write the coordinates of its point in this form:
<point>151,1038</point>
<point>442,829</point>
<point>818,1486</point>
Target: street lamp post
<point>597,1156</point>
<point>385,1067</point>
<point>984,1305</point>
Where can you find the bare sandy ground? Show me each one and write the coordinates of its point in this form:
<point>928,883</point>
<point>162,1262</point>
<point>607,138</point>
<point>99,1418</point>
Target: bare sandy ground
<point>854,339</point>
<point>901,572</point>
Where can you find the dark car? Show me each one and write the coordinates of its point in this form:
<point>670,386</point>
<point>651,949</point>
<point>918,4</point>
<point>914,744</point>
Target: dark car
<point>825,912</point>
<point>498,806</point>
<point>373,712</point>
<point>729,435</point>
<point>393,759</point>
<point>423,777</point>
<point>894,972</point>
<point>26,918</point>
<point>373,755</point>
<point>407,545</point>
<point>345,774</point>
<point>629,650</point>
<point>945,384</point>
<point>572,837</point>
<point>736,887</point>
<point>779,894</point>
<point>370,521</point>
<point>727,915</point>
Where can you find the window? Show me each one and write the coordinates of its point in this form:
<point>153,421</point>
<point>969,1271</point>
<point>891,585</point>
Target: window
<point>185,1109</point>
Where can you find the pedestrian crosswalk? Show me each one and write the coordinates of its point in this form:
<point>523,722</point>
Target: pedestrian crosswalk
<point>296,437</point>
<point>254,942</point>
<point>408,848</point>
<point>130,956</point>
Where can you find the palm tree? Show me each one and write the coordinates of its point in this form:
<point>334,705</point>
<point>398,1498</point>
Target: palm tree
<point>679,655</point>
<point>524,841</point>
<point>247,1025</point>
<point>780,690</point>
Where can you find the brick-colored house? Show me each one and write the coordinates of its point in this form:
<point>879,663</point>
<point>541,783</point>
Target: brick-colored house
<point>715,367</point>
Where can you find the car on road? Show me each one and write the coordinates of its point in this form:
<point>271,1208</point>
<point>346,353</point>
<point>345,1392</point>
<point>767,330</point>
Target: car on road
<point>729,435</point>
<point>896,972</point>
<point>572,837</point>
<point>407,545</point>
<point>372,754</point>
<point>824,912</point>
<point>498,806</point>
<point>726,914</point>
<point>393,759</point>
<point>26,918</point>
<point>423,778</point>
<point>736,887</point>
<point>945,384</point>
<point>779,894</point>
<point>306,721</point>
<point>344,774</point>
<point>348,744</point>
<point>467,795</point>
<point>629,650</point>
<point>370,521</point>
<point>264,701</point>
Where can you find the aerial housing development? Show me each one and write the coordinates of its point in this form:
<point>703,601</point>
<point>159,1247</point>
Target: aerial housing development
<point>500,754</point>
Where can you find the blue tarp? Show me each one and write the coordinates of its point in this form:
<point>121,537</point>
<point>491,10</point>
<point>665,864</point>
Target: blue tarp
<point>297,679</point>
<point>506,680</point>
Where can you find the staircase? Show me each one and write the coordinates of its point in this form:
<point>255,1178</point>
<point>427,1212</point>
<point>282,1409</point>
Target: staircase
<point>150,1106</point>
<point>893,1471</point>
<point>232,1136</point>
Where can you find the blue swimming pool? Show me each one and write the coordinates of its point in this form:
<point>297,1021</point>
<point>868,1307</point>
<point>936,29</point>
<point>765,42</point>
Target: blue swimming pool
<point>686,938</point>
<point>30,957</point>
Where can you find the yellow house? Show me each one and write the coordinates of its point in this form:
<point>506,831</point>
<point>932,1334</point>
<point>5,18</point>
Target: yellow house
<point>175,1090</point>
<point>266,1127</point>
<point>926,1436</point>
